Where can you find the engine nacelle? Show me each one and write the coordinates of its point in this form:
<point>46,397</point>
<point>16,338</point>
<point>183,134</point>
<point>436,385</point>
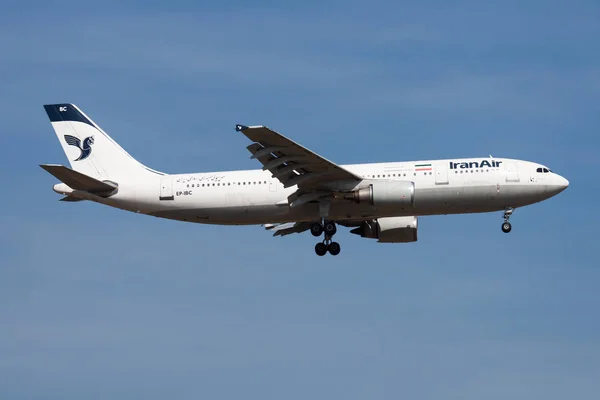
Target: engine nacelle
<point>389,230</point>
<point>385,193</point>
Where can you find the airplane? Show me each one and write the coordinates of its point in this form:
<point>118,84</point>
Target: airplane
<point>296,190</point>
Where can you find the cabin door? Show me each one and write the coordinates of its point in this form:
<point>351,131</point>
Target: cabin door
<point>166,188</point>
<point>512,173</point>
<point>441,173</point>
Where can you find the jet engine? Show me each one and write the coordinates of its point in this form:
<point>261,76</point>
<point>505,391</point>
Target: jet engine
<point>385,193</point>
<point>389,230</point>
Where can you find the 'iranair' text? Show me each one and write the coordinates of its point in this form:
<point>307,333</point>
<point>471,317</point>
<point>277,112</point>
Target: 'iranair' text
<point>475,164</point>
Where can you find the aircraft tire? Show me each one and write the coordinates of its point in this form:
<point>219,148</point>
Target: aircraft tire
<point>334,248</point>
<point>321,249</point>
<point>316,229</point>
<point>330,228</point>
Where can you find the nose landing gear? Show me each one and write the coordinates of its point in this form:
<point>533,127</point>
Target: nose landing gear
<point>506,226</point>
<point>327,245</point>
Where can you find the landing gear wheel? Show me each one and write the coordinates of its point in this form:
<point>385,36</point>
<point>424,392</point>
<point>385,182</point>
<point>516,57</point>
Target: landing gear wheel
<point>506,227</point>
<point>316,229</point>
<point>334,248</point>
<point>330,228</point>
<point>321,249</point>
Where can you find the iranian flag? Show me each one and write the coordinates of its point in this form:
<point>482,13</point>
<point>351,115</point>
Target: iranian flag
<point>422,167</point>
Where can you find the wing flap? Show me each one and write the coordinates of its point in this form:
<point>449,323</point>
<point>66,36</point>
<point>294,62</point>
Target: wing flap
<point>71,199</point>
<point>288,228</point>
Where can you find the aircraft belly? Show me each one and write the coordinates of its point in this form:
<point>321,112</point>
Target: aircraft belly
<point>243,209</point>
<point>456,199</point>
<point>518,195</point>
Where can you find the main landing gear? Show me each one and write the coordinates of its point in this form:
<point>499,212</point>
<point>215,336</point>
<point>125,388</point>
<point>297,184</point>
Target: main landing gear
<point>329,228</point>
<point>506,226</point>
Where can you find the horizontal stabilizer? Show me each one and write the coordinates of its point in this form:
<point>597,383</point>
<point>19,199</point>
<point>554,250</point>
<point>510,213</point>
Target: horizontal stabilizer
<point>78,181</point>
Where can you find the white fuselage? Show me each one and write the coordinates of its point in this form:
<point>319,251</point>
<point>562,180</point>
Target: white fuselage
<point>254,197</point>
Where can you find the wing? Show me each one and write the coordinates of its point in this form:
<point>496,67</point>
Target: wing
<point>288,228</point>
<point>291,163</point>
<point>73,141</point>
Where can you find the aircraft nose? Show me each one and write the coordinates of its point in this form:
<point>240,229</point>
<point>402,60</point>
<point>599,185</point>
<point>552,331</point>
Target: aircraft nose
<point>559,184</point>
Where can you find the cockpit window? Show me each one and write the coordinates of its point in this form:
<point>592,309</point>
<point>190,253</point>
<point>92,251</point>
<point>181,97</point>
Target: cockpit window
<point>538,170</point>
<point>543,170</point>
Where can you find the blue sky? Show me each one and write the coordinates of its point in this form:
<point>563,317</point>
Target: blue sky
<point>98,303</point>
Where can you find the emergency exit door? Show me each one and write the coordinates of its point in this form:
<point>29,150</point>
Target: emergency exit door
<point>273,185</point>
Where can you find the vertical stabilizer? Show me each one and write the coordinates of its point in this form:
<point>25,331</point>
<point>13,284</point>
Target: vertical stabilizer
<point>89,149</point>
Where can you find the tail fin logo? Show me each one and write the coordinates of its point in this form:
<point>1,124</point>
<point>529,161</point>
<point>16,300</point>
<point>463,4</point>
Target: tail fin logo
<point>85,149</point>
